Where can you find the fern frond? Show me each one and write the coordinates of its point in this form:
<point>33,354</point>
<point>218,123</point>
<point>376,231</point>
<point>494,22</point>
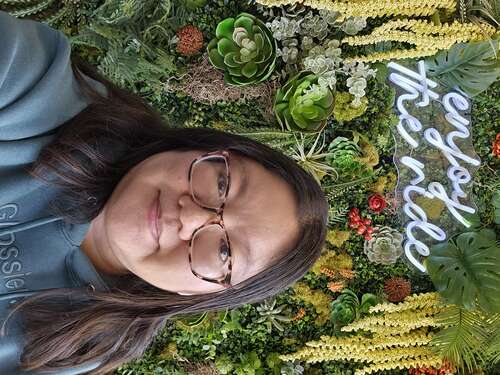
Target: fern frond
<point>463,338</point>
<point>31,10</point>
<point>15,2</point>
<point>493,343</point>
<point>90,39</point>
<point>57,17</point>
<point>337,215</point>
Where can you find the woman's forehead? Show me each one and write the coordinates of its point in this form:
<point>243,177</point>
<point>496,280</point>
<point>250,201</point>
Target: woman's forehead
<point>262,222</point>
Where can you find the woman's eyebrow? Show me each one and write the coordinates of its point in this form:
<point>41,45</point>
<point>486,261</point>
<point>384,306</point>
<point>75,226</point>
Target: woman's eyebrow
<point>244,180</point>
<point>243,248</point>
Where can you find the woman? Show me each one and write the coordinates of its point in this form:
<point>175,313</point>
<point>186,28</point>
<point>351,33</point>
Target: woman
<point>108,218</point>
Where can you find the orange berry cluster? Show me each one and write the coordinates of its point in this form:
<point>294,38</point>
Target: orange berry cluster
<point>362,225</point>
<point>496,146</point>
<point>445,369</point>
<point>300,314</point>
<point>336,286</point>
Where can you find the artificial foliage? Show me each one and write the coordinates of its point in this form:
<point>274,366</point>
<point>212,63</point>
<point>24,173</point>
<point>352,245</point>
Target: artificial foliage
<point>385,246</point>
<point>348,307</point>
<point>456,65</point>
<point>469,338</point>
<point>466,270</point>
<point>190,40</point>
<point>397,289</point>
<point>399,337</point>
<point>338,125</point>
<point>373,8</point>
<point>303,103</point>
<point>244,49</point>
<point>427,37</point>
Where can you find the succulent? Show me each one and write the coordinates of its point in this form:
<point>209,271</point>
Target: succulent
<point>323,58</point>
<point>283,28</point>
<point>244,49</point>
<point>329,16</point>
<point>385,247</point>
<point>270,315</point>
<point>347,307</point>
<point>397,289</point>
<point>307,43</point>
<point>289,51</point>
<point>358,73</point>
<point>353,25</point>
<point>291,368</point>
<point>303,104</point>
<point>343,155</point>
<point>190,40</point>
<point>314,26</point>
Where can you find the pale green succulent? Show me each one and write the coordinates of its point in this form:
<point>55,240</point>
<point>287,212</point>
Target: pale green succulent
<point>303,104</point>
<point>284,27</point>
<point>314,26</point>
<point>385,246</point>
<point>289,52</point>
<point>291,368</point>
<point>358,74</point>
<point>353,25</point>
<point>244,49</point>
<point>330,17</point>
<point>270,315</point>
<point>324,60</point>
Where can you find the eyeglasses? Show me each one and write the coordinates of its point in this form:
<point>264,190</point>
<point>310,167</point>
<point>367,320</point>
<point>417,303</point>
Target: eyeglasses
<point>209,248</point>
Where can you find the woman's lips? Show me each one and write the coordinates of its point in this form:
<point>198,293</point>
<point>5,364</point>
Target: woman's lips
<point>153,219</point>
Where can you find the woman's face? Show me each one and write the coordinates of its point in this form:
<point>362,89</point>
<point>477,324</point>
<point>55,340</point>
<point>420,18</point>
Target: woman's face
<point>260,217</point>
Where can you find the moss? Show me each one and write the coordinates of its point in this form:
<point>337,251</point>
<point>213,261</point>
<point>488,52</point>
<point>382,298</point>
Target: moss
<point>343,109</point>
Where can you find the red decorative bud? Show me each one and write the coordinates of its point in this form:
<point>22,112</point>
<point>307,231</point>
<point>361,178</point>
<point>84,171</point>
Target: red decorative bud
<point>376,203</point>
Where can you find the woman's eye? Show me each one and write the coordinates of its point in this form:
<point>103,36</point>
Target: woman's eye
<point>224,251</point>
<point>222,184</point>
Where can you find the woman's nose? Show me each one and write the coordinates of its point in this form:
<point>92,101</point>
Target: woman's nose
<point>192,216</point>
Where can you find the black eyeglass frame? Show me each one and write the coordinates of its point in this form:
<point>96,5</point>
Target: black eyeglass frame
<point>225,281</point>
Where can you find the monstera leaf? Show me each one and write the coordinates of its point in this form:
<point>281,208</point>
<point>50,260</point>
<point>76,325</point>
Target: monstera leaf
<point>471,66</point>
<point>466,271</point>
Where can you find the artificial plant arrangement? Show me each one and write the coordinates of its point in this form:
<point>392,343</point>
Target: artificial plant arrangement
<point>309,78</point>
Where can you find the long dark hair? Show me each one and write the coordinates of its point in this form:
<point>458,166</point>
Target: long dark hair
<point>89,156</point>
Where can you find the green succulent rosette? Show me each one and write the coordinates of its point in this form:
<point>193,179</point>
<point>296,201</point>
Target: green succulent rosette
<point>244,48</point>
<point>347,307</point>
<point>303,104</point>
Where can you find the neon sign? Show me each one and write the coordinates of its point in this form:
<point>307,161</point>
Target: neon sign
<point>434,157</point>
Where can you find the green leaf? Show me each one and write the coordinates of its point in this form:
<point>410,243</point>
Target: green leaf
<point>249,69</point>
<point>495,201</point>
<point>225,28</point>
<point>226,46</point>
<point>215,58</point>
<point>464,337</point>
<point>466,271</point>
<point>367,300</point>
<point>229,60</point>
<point>245,22</point>
<point>471,66</point>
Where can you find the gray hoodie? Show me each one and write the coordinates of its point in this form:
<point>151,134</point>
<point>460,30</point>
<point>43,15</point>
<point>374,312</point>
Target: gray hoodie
<point>38,92</point>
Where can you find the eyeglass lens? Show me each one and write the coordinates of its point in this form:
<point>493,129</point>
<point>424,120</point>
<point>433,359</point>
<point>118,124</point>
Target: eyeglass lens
<point>210,248</point>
